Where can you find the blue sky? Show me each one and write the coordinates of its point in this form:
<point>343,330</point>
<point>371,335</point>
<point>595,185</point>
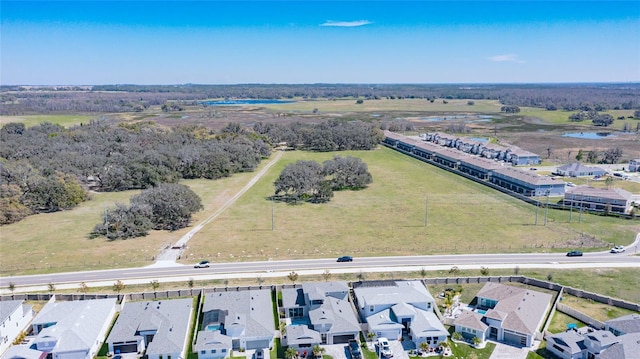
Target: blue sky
<point>214,42</point>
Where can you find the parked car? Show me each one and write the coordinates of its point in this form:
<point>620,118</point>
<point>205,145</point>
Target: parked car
<point>259,354</point>
<point>384,348</point>
<point>617,249</point>
<point>574,254</point>
<point>354,349</point>
<point>202,264</point>
<point>345,259</point>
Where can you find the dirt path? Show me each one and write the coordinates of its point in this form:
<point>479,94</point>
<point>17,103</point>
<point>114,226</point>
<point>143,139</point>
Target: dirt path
<point>169,256</point>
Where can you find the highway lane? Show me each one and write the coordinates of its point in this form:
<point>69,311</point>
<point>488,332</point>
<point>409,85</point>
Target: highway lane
<point>602,259</point>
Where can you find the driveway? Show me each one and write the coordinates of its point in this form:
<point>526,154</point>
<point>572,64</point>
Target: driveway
<point>337,351</point>
<point>504,351</point>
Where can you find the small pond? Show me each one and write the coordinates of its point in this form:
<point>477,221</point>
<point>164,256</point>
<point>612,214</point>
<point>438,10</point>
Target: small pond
<point>590,135</point>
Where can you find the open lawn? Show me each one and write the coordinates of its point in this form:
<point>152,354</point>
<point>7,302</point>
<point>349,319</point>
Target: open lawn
<point>387,218</point>
<point>560,321</point>
<point>384,105</point>
<point>595,310</point>
<point>62,120</point>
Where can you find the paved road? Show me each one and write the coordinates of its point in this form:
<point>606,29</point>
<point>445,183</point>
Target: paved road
<point>318,266</point>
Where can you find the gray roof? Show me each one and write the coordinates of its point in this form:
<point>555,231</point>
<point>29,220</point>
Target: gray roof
<point>301,334</point>
<point>208,340</point>
<point>427,324</point>
<point>8,307</point>
<point>470,319</point>
<point>626,324</point>
<point>604,337</point>
<point>384,320</point>
<point>570,340</point>
<point>524,308</point>
<point>78,323</point>
<point>250,309</point>
<point>169,318</point>
<point>338,313</point>
<point>23,352</point>
<point>293,297</point>
<point>527,176</point>
<point>627,348</point>
<point>393,293</point>
<point>613,193</point>
<point>318,290</point>
<point>579,168</point>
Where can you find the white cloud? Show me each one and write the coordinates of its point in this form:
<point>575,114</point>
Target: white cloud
<point>346,23</point>
<point>505,58</point>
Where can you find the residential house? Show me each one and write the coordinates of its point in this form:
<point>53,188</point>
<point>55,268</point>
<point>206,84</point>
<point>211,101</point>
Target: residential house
<point>300,338</point>
<point>614,200</point>
<point>470,324</point>
<point>394,308</point>
<point>566,345</point>
<point>212,345</point>
<point>599,341</point>
<point>624,325</point>
<point>73,330</point>
<point>628,347</point>
<point>14,318</point>
<point>513,315</point>
<point>159,329</point>
<point>244,316</point>
<point>634,165</point>
<point>23,352</point>
<point>525,182</point>
<point>579,170</point>
<point>323,308</point>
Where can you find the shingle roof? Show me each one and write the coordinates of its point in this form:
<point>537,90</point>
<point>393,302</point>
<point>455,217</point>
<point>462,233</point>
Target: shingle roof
<point>338,313</point>
<point>579,167</point>
<point>23,352</point>
<point>523,308</point>
<point>208,340</point>
<point>383,320</point>
<point>626,324</point>
<point>169,318</point>
<point>627,348</point>
<point>293,297</point>
<point>8,307</point>
<point>301,334</point>
<point>604,337</point>
<point>470,319</point>
<point>613,193</point>
<point>427,324</point>
<point>78,323</point>
<point>569,339</point>
<point>393,293</point>
<point>251,309</point>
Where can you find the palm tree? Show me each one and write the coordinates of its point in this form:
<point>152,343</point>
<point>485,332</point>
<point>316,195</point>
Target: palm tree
<point>476,341</point>
<point>318,350</point>
<point>291,353</point>
<point>370,336</point>
<point>424,347</point>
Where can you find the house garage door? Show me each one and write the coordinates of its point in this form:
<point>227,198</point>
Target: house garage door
<point>258,344</point>
<point>515,339</point>
<point>125,348</point>
<point>342,339</point>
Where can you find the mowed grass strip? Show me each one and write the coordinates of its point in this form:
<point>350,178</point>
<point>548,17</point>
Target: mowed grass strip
<point>388,218</point>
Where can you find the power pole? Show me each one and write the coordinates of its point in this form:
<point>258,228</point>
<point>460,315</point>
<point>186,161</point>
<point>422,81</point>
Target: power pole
<point>537,208</point>
<point>426,212</point>
<point>580,215</point>
<point>106,220</point>
<point>571,208</point>
<point>273,223</point>
<point>546,209</point>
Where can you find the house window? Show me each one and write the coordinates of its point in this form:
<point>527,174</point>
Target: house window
<point>213,351</point>
<point>224,350</point>
<point>371,308</point>
<point>203,352</point>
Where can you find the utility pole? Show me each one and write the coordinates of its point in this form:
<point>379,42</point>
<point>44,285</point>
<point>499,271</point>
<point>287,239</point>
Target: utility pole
<point>571,208</point>
<point>580,216</point>
<point>273,223</point>
<point>546,209</point>
<point>426,212</point>
<point>537,208</point>
<point>106,220</point>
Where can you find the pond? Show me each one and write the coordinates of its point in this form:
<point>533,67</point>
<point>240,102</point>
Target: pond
<point>590,135</point>
<point>245,102</point>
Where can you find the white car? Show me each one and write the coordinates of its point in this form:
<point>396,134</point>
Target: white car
<point>617,249</point>
<point>202,264</point>
<point>384,348</point>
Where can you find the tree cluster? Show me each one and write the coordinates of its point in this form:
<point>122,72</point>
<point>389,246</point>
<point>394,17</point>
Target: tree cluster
<point>598,119</point>
<point>48,168</point>
<point>168,206</point>
<point>323,137</point>
<point>309,181</point>
<point>510,109</point>
<point>610,156</point>
<point>19,100</point>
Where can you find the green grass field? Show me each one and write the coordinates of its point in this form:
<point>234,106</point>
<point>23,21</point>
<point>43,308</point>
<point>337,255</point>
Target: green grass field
<point>387,218</point>
<point>385,105</point>
<point>63,120</point>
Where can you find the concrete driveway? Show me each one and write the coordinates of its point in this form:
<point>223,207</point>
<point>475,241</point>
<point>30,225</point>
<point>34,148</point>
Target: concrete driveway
<point>504,351</point>
<point>337,351</point>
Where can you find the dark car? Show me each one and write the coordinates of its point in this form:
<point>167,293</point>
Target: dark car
<point>574,254</point>
<point>345,259</point>
<point>202,264</point>
<point>354,349</point>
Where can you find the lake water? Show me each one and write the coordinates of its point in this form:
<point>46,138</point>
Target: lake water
<point>480,139</point>
<point>589,135</point>
<point>245,102</point>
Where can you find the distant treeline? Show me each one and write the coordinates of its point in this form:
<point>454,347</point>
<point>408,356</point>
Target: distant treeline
<point>48,168</point>
<point>17,100</point>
